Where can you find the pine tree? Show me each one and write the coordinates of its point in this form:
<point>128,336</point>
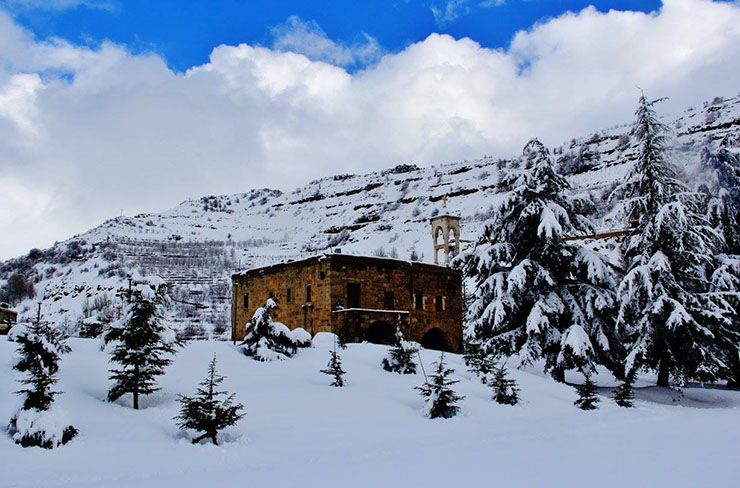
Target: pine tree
<point>334,368</point>
<point>400,358</point>
<point>587,397</point>
<point>35,423</point>
<point>663,311</point>
<point>505,390</point>
<point>141,343</point>
<point>477,361</point>
<point>207,412</point>
<point>266,339</point>
<point>539,295</point>
<point>724,217</point>
<point>441,399</point>
<point>624,394</point>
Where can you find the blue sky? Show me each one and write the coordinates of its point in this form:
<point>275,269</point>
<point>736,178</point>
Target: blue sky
<point>184,32</point>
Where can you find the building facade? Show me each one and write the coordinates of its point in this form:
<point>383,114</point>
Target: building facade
<point>358,297</point>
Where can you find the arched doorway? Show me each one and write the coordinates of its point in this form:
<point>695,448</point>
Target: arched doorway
<point>435,339</point>
<point>380,332</point>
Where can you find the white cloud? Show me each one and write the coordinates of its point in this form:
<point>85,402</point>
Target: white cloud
<point>309,39</point>
<point>449,11</point>
<point>122,131</point>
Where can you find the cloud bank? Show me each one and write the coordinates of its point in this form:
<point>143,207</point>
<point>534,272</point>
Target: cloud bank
<point>86,133</point>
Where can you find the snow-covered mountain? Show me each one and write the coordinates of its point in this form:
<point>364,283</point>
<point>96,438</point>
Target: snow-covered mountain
<point>198,244</point>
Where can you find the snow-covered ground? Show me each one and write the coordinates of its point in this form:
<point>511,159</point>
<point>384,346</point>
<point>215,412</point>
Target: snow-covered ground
<point>301,432</point>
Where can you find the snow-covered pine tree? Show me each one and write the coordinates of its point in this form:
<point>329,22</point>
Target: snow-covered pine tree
<point>400,357</point>
<point>206,411</point>
<point>266,339</point>
<point>334,369</point>
<point>624,394</point>
<point>142,342</point>
<point>537,294</point>
<point>663,311</point>
<point>587,397</point>
<point>505,390</point>
<point>478,361</point>
<point>441,399</point>
<point>724,216</point>
<point>36,422</point>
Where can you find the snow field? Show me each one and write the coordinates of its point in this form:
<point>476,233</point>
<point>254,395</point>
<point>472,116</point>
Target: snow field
<point>300,430</point>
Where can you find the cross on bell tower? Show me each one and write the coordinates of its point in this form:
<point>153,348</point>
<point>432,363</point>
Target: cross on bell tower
<point>446,234</point>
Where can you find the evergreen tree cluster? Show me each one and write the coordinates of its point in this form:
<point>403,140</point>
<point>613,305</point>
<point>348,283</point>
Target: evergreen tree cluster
<point>670,305</point>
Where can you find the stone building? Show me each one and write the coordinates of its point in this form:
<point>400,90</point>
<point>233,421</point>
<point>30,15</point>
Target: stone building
<point>8,318</point>
<point>359,297</point>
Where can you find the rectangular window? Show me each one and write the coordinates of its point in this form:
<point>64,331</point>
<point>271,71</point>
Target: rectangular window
<point>389,301</point>
<point>288,295</point>
<point>308,293</point>
<point>353,295</point>
<point>419,300</point>
<point>246,300</point>
<point>439,303</point>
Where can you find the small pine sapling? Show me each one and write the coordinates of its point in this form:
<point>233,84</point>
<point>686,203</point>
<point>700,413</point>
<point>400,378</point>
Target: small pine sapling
<point>206,412</point>
<point>587,397</point>
<point>441,399</point>
<point>334,368</point>
<point>478,362</point>
<point>35,423</point>
<point>400,358</point>
<point>505,390</point>
<point>266,339</point>
<point>624,394</point>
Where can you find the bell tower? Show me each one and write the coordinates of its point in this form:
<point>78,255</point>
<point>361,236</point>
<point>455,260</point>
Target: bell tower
<point>445,234</point>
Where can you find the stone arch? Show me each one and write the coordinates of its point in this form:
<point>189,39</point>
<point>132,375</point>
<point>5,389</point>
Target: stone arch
<point>381,332</point>
<point>439,232</point>
<point>436,339</point>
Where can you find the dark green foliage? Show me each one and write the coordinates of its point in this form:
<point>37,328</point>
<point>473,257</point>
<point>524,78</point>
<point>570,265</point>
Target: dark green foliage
<point>478,362</point>
<point>669,321</point>
<point>401,356</point>
<point>207,412</point>
<point>441,399</point>
<point>142,343</point>
<point>539,295</point>
<point>39,346</point>
<point>266,339</point>
<point>334,368</point>
<point>587,397</point>
<point>505,389</point>
<point>624,394</point>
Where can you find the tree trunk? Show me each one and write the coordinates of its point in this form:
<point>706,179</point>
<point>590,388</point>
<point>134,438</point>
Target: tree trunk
<point>558,375</point>
<point>136,387</point>
<point>663,372</point>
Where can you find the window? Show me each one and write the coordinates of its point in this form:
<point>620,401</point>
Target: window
<point>389,302</point>
<point>288,295</point>
<point>308,293</point>
<point>353,295</point>
<point>439,303</point>
<point>246,300</point>
<point>419,301</point>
